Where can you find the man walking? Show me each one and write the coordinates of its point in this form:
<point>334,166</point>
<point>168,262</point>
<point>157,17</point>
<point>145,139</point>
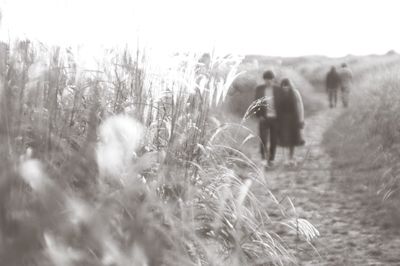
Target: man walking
<point>266,113</point>
<point>332,86</point>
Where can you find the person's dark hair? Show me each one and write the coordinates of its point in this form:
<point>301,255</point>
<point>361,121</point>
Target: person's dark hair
<point>344,65</point>
<point>268,75</point>
<point>286,82</point>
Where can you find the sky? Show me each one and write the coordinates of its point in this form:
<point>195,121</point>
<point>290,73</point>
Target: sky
<point>277,28</point>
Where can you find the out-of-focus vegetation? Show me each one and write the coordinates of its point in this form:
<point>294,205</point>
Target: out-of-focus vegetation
<point>127,164</point>
<point>365,139</point>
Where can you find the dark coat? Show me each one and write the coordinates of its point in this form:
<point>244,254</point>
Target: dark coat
<point>332,79</point>
<point>262,110</point>
<point>289,118</point>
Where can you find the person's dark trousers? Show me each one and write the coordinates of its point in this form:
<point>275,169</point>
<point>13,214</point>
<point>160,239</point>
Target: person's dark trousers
<point>332,94</point>
<point>269,138</point>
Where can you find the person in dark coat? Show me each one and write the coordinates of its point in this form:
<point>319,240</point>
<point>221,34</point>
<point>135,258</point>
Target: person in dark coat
<point>266,114</point>
<point>290,117</point>
<point>332,86</point>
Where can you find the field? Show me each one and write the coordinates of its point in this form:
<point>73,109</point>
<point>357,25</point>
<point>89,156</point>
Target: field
<point>136,163</point>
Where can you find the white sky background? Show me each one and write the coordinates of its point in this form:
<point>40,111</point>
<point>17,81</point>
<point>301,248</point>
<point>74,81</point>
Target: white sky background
<point>280,27</point>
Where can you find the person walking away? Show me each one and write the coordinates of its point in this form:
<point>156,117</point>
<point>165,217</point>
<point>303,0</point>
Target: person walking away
<point>266,113</point>
<point>332,86</point>
<point>290,118</point>
<point>346,78</point>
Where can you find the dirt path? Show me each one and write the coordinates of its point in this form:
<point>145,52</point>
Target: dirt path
<point>347,236</point>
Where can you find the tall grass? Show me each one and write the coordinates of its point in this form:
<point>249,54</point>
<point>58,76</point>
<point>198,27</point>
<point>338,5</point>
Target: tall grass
<point>123,165</point>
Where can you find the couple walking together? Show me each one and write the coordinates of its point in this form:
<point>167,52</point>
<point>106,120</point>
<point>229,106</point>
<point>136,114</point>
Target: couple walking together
<point>339,80</point>
<point>280,112</point>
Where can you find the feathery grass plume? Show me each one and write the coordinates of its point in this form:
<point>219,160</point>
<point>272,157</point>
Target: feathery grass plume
<point>31,171</point>
<point>120,138</point>
<point>251,110</point>
<point>59,253</point>
<point>304,229</point>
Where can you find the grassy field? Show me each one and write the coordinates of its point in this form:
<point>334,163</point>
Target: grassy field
<point>127,163</point>
<point>136,163</point>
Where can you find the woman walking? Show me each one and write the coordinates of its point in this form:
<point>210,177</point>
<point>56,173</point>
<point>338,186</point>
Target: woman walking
<point>290,118</point>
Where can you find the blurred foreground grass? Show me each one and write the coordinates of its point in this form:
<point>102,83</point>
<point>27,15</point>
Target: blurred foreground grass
<point>127,163</point>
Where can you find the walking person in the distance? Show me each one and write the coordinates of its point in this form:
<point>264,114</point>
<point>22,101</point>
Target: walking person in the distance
<point>346,80</point>
<point>332,86</point>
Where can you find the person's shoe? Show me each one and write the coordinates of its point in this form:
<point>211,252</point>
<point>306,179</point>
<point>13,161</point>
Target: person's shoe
<point>271,163</point>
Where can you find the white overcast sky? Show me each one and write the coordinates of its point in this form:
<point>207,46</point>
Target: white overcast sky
<point>280,27</point>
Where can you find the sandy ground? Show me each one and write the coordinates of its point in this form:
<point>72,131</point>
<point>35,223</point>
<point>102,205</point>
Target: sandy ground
<point>348,235</point>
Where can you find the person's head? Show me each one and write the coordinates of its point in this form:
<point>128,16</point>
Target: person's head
<point>268,76</point>
<point>333,68</point>
<point>344,65</point>
<point>286,84</point>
